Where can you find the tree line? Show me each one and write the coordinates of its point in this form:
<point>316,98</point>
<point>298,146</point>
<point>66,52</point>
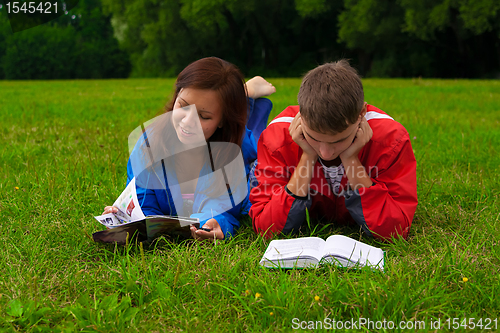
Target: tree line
<point>77,45</point>
<point>157,38</point>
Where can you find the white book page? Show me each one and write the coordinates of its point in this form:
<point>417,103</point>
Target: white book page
<point>294,248</point>
<point>109,220</point>
<point>128,205</point>
<point>354,251</point>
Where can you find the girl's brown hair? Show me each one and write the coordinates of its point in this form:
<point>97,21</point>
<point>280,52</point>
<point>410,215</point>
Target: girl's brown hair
<point>226,79</point>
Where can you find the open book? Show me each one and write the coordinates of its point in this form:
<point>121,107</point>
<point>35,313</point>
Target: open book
<point>312,251</point>
<point>130,221</point>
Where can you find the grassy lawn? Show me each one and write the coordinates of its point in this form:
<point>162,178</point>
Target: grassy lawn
<point>63,157</point>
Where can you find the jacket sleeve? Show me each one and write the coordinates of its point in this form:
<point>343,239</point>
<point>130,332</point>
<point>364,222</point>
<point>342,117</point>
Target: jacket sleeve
<point>274,208</point>
<point>146,197</point>
<point>386,209</point>
<point>227,222</point>
<point>223,211</point>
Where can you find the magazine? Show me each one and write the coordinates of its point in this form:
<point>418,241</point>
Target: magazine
<point>129,210</point>
<point>130,222</point>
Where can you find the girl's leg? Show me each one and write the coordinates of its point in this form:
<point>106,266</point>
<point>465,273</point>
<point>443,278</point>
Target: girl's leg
<point>258,108</point>
<point>259,87</point>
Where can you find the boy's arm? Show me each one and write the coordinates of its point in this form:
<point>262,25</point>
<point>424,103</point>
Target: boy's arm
<point>300,181</point>
<point>274,207</point>
<point>386,208</point>
<point>301,178</point>
<point>282,196</point>
<point>355,171</point>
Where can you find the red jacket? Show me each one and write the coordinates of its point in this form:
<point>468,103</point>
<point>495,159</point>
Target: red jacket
<point>383,210</point>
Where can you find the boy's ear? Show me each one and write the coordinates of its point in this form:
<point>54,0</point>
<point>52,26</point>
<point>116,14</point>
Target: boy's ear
<point>363,110</point>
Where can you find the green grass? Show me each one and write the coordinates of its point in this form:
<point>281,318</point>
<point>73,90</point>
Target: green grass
<point>64,145</point>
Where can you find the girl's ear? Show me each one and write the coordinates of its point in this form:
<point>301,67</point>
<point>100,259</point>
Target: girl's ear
<point>220,124</point>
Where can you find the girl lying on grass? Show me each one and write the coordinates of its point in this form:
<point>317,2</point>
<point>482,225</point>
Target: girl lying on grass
<point>186,163</point>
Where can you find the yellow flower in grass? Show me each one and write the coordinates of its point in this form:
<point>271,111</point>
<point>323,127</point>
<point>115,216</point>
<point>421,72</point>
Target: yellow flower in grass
<point>465,279</point>
<point>271,313</point>
<point>247,292</point>
<point>316,298</point>
<point>17,188</point>
<point>258,295</point>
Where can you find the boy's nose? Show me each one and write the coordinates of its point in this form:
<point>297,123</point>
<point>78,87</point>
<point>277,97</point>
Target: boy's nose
<point>326,152</point>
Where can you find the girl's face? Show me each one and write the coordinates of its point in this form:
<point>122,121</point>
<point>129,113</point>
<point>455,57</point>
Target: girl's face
<point>197,114</point>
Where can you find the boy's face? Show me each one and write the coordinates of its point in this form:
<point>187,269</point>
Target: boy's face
<point>330,146</point>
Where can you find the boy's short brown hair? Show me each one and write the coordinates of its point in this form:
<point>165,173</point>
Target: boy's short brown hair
<point>331,97</point>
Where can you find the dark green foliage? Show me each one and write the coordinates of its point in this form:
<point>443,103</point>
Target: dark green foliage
<point>261,37</point>
<point>4,30</point>
<point>423,38</point>
<point>457,38</point>
<point>77,45</point>
<point>383,38</point>
<point>40,53</point>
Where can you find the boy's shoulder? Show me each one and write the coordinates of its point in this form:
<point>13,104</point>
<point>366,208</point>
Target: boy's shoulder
<point>276,134</point>
<point>386,131</point>
<point>286,116</point>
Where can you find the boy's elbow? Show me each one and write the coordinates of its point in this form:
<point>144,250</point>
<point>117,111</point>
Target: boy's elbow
<point>390,231</point>
<point>261,225</point>
<point>265,231</point>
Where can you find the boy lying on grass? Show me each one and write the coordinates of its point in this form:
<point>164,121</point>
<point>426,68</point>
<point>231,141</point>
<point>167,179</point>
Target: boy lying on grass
<point>337,156</point>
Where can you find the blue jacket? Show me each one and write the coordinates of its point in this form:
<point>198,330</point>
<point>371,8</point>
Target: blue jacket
<point>167,200</point>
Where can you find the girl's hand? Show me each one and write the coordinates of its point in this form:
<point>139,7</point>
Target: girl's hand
<point>214,233</point>
<point>110,209</point>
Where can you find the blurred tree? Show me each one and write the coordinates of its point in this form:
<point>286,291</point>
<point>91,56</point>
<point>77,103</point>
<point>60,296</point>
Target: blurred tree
<point>466,33</point>
<point>266,37</point>
<point>444,38</point>
<point>439,38</point>
<point>425,18</point>
<point>373,29</point>
<point>97,53</point>
<point>44,52</point>
<point>79,44</point>
<point>4,30</point>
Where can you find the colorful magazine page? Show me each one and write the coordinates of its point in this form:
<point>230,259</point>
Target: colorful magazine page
<point>129,210</point>
<point>128,205</point>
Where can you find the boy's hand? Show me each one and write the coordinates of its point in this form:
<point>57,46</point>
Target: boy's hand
<point>297,134</point>
<point>363,135</point>
<point>215,233</point>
